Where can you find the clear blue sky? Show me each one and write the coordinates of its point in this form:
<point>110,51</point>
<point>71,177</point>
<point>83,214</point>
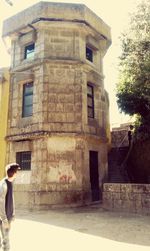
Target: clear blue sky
<point>114,12</point>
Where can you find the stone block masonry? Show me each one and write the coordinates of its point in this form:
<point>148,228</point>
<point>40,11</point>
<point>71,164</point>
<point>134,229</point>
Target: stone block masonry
<point>58,126</point>
<point>133,198</point>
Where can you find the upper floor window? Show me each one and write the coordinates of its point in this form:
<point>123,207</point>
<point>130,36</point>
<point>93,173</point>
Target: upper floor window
<point>24,160</point>
<point>29,51</point>
<point>89,54</point>
<point>27,107</point>
<point>90,101</point>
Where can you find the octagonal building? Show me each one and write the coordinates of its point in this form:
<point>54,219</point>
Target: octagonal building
<point>58,126</point>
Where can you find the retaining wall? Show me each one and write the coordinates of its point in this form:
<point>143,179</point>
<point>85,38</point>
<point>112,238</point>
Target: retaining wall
<point>133,198</point>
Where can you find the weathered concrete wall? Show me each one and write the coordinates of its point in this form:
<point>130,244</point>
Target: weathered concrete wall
<point>133,198</point>
<point>60,170</point>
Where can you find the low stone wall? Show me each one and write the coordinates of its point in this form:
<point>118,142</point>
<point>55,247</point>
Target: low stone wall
<point>133,198</point>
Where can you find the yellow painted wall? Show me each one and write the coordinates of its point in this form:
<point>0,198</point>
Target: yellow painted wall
<point>4,97</point>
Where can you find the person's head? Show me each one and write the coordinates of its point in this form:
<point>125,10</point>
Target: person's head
<point>131,127</point>
<point>11,170</point>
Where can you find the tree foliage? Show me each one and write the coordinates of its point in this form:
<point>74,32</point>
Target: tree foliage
<point>133,88</point>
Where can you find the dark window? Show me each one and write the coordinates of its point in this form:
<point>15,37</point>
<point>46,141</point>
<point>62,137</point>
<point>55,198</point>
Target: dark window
<point>27,107</point>
<point>24,160</point>
<point>29,51</point>
<point>89,54</point>
<point>90,101</point>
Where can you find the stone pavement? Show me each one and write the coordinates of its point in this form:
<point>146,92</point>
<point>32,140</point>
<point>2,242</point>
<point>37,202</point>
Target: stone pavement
<point>84,228</point>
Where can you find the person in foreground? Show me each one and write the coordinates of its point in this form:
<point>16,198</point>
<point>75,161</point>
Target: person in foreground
<point>7,210</point>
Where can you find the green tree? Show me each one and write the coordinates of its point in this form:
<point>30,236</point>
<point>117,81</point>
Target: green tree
<point>133,88</point>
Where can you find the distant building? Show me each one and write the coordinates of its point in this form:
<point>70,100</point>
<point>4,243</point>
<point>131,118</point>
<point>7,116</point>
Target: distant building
<point>4,97</point>
<point>58,126</point>
<point>119,135</point>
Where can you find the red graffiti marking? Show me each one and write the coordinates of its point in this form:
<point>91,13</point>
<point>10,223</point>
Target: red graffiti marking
<point>65,179</point>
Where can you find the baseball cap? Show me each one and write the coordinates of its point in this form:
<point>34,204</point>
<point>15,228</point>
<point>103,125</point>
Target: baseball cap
<point>13,166</point>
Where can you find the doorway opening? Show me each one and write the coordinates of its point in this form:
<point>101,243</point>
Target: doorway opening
<point>94,175</point>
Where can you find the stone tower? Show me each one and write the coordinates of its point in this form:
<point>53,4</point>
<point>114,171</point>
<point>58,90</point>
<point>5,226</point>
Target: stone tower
<point>58,108</point>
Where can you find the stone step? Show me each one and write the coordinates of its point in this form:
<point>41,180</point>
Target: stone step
<point>115,159</point>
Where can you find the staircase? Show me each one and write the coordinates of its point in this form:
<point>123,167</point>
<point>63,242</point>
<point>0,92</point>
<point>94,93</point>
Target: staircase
<point>116,170</point>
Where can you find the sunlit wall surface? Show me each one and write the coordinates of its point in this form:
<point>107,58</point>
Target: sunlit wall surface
<point>4,96</point>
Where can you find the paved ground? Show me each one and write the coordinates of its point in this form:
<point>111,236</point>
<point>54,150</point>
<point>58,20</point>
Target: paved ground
<point>87,228</point>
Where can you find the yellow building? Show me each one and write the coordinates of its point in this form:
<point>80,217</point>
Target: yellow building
<point>4,97</point>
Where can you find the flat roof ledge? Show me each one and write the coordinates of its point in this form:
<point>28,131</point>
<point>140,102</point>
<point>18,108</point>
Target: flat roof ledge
<point>55,11</point>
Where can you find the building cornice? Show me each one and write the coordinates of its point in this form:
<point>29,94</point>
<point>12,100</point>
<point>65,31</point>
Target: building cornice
<point>56,12</point>
<point>29,136</point>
